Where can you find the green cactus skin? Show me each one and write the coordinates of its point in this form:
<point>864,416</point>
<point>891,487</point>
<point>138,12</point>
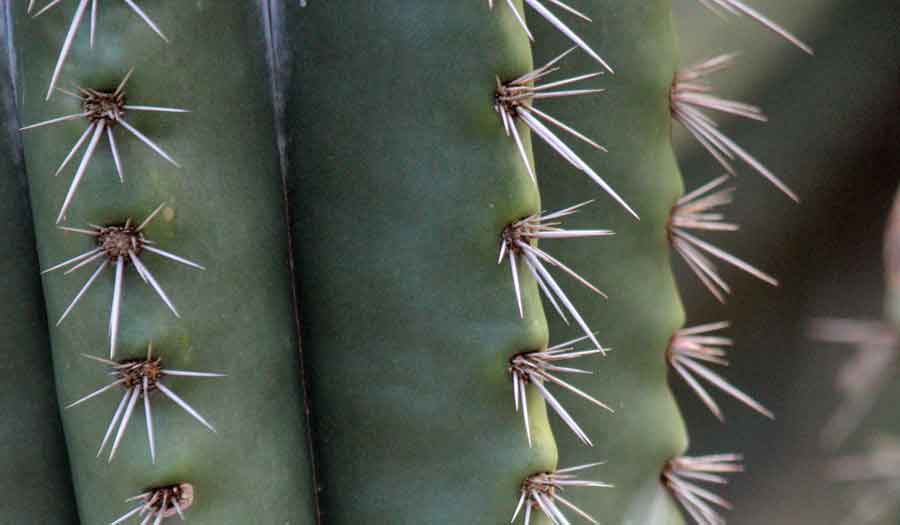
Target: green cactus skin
<point>633,120</point>
<point>401,180</point>
<point>224,210</point>
<point>35,486</point>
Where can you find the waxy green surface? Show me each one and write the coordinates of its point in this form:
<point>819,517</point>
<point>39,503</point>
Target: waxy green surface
<point>643,311</point>
<point>224,209</point>
<point>35,485</point>
<point>401,180</point>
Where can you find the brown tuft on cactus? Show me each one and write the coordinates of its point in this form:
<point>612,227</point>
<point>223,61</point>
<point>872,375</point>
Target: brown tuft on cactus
<point>159,503</point>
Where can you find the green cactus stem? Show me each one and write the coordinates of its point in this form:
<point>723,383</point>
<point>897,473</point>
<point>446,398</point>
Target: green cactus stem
<point>402,181</point>
<point>633,120</point>
<point>223,207</point>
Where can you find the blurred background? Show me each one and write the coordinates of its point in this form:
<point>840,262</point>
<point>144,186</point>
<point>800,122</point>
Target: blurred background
<point>834,136</point>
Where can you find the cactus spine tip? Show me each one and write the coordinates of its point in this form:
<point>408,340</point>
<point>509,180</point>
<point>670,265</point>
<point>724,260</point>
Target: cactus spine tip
<point>558,24</point>
<point>736,7</point>
<point>77,19</point>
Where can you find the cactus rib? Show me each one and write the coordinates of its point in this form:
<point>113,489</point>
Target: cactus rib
<point>119,246</point>
<point>517,243</point>
<point>77,19</point>
<point>241,306</point>
<point>557,23</point>
<point>682,476</point>
<point>633,267</point>
<point>443,181</point>
<point>104,111</point>
<point>736,7</point>
<point>688,352</point>
<point>542,491</point>
<point>161,502</point>
<point>697,211</point>
<point>537,368</point>
<point>691,95</point>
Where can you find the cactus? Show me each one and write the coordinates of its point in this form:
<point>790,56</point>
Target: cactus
<point>236,316</point>
<point>633,120</point>
<point>411,330</point>
<point>863,380</point>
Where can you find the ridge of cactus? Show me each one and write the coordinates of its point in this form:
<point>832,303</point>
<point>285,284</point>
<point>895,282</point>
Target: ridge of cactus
<point>644,317</point>
<point>236,316</point>
<point>440,178</point>
<point>633,119</point>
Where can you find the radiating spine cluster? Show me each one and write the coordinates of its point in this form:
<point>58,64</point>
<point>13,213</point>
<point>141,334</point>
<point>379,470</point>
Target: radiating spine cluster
<point>118,246</point>
<point>140,378</point>
<point>103,111</point>
<point>542,493</point>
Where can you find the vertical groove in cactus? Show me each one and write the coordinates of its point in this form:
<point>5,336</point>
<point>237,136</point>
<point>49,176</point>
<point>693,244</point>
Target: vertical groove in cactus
<point>35,485</point>
<point>632,119</point>
<point>402,181</point>
<point>223,208</point>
